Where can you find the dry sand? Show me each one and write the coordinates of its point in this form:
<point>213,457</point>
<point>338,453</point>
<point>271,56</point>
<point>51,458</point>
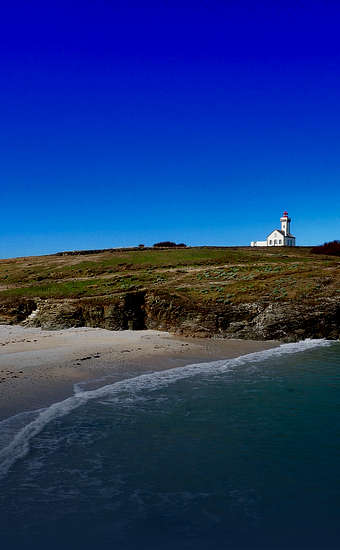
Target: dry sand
<point>39,367</point>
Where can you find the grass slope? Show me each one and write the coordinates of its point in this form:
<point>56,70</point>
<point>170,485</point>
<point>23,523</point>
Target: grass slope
<point>226,275</point>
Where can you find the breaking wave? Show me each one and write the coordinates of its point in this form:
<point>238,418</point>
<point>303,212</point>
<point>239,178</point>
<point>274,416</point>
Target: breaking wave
<point>17,431</point>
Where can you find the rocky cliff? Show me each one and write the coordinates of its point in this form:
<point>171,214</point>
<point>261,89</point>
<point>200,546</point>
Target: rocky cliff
<point>285,293</point>
<point>261,320</point>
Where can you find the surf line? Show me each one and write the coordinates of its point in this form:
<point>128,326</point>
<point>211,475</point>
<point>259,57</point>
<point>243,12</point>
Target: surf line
<point>19,446</point>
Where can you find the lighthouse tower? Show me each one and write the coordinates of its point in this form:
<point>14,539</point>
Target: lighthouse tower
<point>285,224</point>
<point>279,237</point>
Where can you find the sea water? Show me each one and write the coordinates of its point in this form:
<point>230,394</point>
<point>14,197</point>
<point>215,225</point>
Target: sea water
<point>238,454</point>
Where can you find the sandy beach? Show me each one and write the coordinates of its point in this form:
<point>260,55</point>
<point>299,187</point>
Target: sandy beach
<point>40,367</point>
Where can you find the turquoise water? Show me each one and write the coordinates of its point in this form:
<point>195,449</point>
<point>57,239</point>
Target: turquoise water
<point>234,454</point>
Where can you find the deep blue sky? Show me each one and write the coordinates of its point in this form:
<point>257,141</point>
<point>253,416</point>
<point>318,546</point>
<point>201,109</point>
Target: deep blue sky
<point>122,125</point>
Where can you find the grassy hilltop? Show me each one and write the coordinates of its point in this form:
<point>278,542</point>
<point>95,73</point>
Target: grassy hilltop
<point>234,292</point>
<point>228,275</point>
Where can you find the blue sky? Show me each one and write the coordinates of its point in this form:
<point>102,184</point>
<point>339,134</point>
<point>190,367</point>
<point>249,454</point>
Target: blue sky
<point>123,125</point>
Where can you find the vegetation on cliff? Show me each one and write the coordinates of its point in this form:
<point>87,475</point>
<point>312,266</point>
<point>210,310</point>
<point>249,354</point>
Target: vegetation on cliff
<point>230,286</point>
<point>332,248</point>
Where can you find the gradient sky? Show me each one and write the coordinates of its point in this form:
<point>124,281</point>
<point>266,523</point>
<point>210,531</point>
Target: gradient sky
<point>122,125</point>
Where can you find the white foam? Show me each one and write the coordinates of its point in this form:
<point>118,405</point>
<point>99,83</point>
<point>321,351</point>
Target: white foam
<point>18,447</point>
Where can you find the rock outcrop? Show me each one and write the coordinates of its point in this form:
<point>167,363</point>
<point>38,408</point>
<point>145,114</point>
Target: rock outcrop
<point>14,311</point>
<point>287,321</point>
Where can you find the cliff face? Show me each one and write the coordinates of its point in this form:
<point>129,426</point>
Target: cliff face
<point>262,320</point>
<point>284,293</point>
<point>13,311</point>
<point>256,320</point>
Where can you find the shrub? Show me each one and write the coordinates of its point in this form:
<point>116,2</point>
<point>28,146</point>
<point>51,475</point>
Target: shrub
<point>332,248</point>
<point>168,244</point>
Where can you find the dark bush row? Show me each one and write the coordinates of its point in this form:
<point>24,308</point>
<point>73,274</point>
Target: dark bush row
<point>332,248</point>
<point>169,244</point>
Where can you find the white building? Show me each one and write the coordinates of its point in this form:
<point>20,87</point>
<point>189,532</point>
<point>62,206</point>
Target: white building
<point>278,237</point>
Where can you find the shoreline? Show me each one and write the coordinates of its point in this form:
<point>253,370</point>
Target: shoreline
<point>39,367</point>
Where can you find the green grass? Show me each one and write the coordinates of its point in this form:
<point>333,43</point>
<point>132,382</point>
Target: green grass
<point>224,275</point>
<point>53,290</point>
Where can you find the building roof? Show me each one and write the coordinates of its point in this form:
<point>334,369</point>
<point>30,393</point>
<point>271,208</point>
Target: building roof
<point>278,230</point>
<point>282,233</point>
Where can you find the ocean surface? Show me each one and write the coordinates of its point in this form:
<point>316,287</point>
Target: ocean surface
<point>236,454</point>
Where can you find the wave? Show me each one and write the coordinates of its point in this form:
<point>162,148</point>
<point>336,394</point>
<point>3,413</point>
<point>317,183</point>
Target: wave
<point>17,437</point>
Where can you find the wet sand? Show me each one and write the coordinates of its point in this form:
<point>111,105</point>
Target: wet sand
<point>40,367</point>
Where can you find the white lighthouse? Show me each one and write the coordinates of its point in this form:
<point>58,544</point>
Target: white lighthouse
<point>285,224</point>
<point>279,237</point>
